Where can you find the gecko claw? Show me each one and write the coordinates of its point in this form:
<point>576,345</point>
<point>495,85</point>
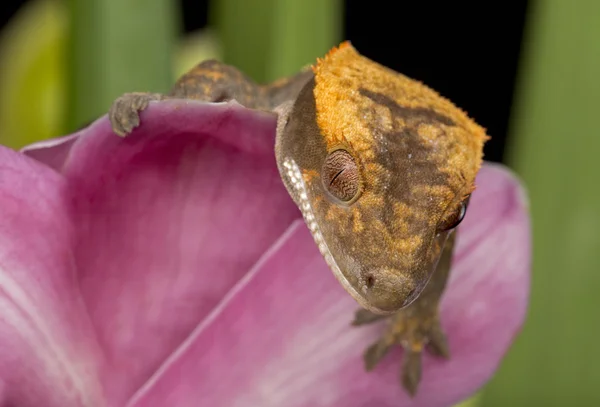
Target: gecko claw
<point>124,114</point>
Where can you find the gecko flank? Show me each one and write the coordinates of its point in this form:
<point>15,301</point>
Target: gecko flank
<point>381,167</point>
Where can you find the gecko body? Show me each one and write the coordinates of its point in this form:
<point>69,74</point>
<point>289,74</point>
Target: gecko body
<point>381,167</point>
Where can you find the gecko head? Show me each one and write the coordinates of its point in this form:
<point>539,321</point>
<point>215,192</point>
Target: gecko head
<point>381,168</point>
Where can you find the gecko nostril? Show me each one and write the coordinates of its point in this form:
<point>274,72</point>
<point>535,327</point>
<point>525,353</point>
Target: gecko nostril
<point>370,281</point>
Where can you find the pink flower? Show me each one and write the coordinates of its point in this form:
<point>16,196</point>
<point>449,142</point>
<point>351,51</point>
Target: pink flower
<point>171,268</point>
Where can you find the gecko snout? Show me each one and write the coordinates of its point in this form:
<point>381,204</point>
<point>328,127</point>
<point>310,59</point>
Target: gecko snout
<point>387,291</point>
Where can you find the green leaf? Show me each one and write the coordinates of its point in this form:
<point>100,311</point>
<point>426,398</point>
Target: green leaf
<point>555,147</point>
<point>32,76</point>
<point>268,39</point>
<point>117,46</point>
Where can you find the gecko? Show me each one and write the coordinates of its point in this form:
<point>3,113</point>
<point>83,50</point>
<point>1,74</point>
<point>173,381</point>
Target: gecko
<point>382,168</point>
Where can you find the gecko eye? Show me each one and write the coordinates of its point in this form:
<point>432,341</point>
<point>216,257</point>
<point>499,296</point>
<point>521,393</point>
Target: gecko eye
<point>340,175</point>
<point>457,217</point>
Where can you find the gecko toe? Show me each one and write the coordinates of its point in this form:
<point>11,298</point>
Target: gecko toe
<point>375,353</point>
<point>124,114</point>
<point>438,342</point>
<point>413,330</point>
<point>363,317</point>
<point>411,371</point>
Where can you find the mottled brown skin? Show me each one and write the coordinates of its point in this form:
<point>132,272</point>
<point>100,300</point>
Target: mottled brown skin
<point>380,166</point>
<point>209,81</point>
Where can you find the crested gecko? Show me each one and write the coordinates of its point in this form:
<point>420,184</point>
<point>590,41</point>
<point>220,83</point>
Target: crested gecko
<point>381,167</point>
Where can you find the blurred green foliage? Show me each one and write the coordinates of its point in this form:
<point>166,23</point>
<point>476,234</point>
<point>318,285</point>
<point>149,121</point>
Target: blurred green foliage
<point>32,101</point>
<point>117,46</point>
<point>555,140</point>
<point>269,39</point>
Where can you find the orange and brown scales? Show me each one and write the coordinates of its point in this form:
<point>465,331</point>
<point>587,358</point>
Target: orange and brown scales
<point>361,105</point>
<point>352,92</point>
<point>416,154</point>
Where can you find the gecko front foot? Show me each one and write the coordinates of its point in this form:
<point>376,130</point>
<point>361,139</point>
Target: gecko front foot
<point>124,114</point>
<point>413,328</point>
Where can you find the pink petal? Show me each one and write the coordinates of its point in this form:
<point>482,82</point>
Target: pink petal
<point>48,354</point>
<point>168,220</point>
<point>282,337</point>
<point>53,152</point>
